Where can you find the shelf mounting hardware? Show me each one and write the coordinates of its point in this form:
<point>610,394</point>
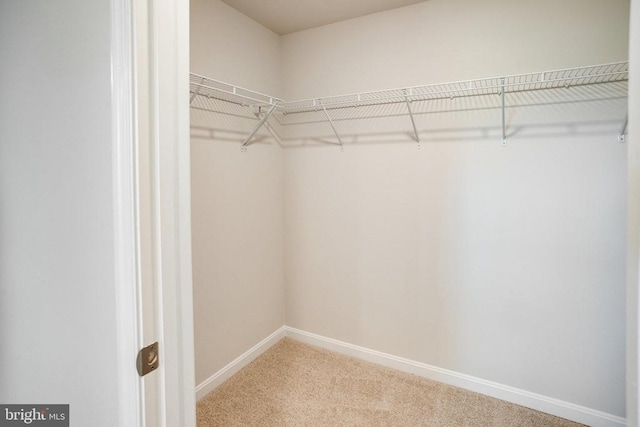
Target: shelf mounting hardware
<point>257,128</point>
<point>623,130</point>
<point>197,91</point>
<point>504,133</point>
<point>413,122</point>
<point>332,126</point>
<point>258,113</point>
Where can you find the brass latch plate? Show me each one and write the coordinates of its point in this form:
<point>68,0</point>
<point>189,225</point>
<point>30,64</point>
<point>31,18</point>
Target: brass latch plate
<point>148,359</point>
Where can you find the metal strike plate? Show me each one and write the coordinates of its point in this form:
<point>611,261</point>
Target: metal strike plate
<point>148,359</point>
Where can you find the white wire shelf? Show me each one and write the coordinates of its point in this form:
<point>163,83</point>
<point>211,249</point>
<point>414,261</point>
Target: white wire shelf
<point>565,78</point>
<point>201,86</point>
<point>594,82</point>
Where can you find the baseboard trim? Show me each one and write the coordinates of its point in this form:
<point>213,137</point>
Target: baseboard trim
<point>240,362</point>
<point>570,411</point>
<point>525,398</point>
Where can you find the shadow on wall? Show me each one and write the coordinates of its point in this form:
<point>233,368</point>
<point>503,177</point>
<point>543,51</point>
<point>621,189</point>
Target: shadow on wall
<point>228,136</point>
<point>480,134</point>
<point>488,134</point>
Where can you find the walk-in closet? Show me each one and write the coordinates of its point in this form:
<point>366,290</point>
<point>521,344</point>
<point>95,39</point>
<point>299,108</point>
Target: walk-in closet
<point>438,187</point>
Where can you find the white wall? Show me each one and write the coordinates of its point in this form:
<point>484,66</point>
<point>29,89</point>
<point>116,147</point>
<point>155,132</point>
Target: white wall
<point>228,46</point>
<point>504,263</point>
<point>57,294</point>
<point>237,197</point>
<point>438,41</point>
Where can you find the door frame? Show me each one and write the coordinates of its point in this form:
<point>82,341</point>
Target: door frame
<point>167,35</point>
<point>633,221</point>
<point>170,101</point>
<point>124,149</point>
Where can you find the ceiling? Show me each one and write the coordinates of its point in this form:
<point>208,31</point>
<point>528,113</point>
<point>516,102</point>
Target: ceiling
<point>288,16</point>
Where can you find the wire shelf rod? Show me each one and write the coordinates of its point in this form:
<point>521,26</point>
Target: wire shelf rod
<point>399,100</point>
<point>497,106</point>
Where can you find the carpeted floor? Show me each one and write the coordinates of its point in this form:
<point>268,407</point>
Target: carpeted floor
<point>295,384</point>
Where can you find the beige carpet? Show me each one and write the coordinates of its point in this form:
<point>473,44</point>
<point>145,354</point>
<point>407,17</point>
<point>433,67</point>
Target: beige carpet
<point>294,384</point>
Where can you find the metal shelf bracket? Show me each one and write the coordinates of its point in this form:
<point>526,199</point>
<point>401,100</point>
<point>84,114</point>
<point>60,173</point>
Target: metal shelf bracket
<point>413,122</point>
<point>258,113</point>
<point>332,126</point>
<point>196,91</point>
<point>264,119</point>
<point>623,130</point>
<point>504,131</point>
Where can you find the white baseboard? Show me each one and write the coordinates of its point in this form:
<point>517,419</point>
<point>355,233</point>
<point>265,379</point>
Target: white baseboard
<point>240,362</point>
<point>570,411</point>
<point>528,399</point>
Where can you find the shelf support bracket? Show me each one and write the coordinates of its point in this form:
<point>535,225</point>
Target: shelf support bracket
<point>245,143</point>
<point>504,131</point>
<point>332,126</point>
<point>413,122</point>
<point>196,92</point>
<point>623,130</point>
<point>268,127</point>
